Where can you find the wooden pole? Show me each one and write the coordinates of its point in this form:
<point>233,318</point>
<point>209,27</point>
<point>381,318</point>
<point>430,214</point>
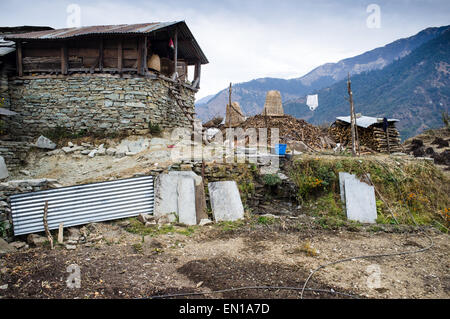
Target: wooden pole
<point>387,138</point>
<point>119,56</point>
<point>229,106</point>
<point>100,56</point>
<point>352,115</point>
<point>19,58</point>
<point>64,59</point>
<point>47,231</point>
<point>176,54</point>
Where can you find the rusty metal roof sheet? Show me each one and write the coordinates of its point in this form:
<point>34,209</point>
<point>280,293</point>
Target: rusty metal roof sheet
<point>121,29</point>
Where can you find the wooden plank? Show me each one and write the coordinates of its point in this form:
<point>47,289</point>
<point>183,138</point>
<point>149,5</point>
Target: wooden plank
<point>144,57</point>
<point>197,74</point>
<point>64,59</point>
<point>119,56</point>
<point>19,58</point>
<point>100,56</point>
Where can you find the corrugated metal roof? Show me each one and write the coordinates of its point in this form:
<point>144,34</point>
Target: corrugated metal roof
<point>364,121</point>
<point>121,29</point>
<point>6,46</point>
<point>82,204</point>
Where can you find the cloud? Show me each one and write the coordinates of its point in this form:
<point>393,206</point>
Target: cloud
<point>250,39</point>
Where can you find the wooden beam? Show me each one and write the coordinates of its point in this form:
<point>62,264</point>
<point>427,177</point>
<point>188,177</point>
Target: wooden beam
<point>140,56</point>
<point>100,56</point>
<point>64,59</point>
<point>175,58</point>
<point>144,56</point>
<point>119,56</point>
<point>19,58</point>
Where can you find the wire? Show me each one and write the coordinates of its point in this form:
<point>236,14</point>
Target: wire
<point>371,256</point>
<point>331,291</point>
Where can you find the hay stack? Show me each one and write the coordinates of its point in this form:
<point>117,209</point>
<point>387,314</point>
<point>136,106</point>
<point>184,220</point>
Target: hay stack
<point>273,105</point>
<point>234,116</point>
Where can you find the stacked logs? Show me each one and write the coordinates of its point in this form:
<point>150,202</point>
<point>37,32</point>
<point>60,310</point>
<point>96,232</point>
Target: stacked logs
<point>373,137</point>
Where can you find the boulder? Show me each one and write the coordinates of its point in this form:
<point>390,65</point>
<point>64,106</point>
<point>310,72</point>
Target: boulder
<point>45,143</point>
<point>3,169</point>
<point>5,247</point>
<point>226,201</point>
<point>36,240</point>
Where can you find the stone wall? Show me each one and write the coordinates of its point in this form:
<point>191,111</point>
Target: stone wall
<point>91,102</point>
<point>14,153</point>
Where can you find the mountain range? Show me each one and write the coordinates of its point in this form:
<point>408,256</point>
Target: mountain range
<point>407,79</point>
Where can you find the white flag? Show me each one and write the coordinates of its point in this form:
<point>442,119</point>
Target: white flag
<point>312,101</point>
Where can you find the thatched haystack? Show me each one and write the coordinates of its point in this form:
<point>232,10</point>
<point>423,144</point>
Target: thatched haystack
<point>234,116</point>
<point>273,105</point>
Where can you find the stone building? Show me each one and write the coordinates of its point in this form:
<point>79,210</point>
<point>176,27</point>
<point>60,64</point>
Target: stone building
<point>113,79</point>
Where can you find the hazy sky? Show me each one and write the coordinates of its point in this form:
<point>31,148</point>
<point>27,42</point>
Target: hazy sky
<point>244,40</point>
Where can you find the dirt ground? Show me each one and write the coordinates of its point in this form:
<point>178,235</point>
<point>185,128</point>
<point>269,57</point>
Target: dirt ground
<point>222,256</point>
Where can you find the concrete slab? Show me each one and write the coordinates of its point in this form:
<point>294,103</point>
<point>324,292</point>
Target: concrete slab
<point>360,201</point>
<point>186,201</point>
<point>226,202</point>
<point>166,195</point>
<point>342,177</point>
<point>3,169</point>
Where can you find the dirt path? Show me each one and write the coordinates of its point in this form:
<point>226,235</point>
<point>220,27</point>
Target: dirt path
<point>215,257</point>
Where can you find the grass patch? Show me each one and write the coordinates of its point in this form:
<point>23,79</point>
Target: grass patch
<point>228,226</point>
<point>410,188</point>
<point>136,227</point>
<point>265,220</point>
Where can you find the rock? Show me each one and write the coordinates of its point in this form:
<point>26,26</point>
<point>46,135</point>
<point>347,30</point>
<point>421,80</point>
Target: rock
<point>85,152</point>
<point>36,240</point>
<point>298,146</point>
<point>101,150</point>
<point>67,149</point>
<point>71,247</point>
<point>4,287</point>
<point>226,202</point>
<point>142,218</point>
<point>3,169</point>
<point>73,232</point>
<point>282,176</point>
<point>150,223</point>
<point>18,244</point>
<point>25,172</point>
<point>45,143</point>
<point>130,153</point>
<point>205,221</point>
<point>70,144</point>
<point>111,151</point>
<point>5,247</point>
<point>86,144</point>
<point>92,153</point>
<point>124,223</point>
<point>166,219</point>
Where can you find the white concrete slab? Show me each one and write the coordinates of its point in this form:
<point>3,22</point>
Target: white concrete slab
<point>186,201</point>
<point>226,202</point>
<point>3,169</point>
<point>360,201</point>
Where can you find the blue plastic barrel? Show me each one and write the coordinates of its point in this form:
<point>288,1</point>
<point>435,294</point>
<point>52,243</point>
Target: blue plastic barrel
<point>280,149</point>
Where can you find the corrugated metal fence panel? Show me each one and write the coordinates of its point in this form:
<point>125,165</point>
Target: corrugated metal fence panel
<point>82,204</point>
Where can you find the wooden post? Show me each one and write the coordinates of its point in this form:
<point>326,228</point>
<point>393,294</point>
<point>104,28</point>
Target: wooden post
<point>47,231</point>
<point>19,58</point>
<point>176,53</point>
<point>61,233</point>
<point>100,56</point>
<point>139,56</point>
<point>352,115</point>
<point>229,107</point>
<point>197,74</point>
<point>144,57</point>
<point>64,59</point>
<point>119,56</point>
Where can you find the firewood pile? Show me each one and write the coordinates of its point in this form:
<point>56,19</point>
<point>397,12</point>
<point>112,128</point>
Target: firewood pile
<point>373,137</point>
<point>290,129</point>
